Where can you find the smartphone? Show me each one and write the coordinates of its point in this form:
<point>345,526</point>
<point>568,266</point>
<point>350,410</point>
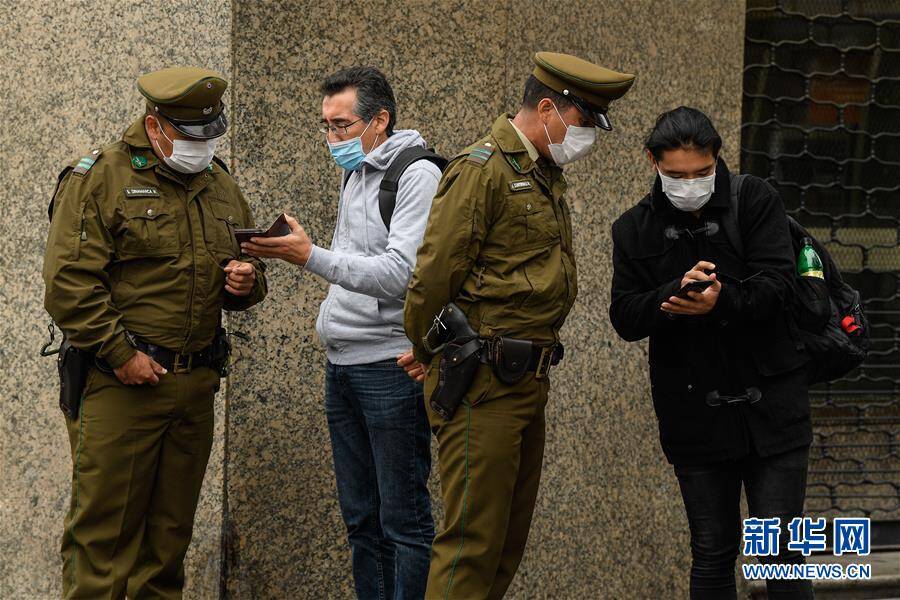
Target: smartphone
<point>693,286</point>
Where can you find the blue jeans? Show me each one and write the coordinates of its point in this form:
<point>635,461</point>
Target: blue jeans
<point>775,487</point>
<point>381,444</point>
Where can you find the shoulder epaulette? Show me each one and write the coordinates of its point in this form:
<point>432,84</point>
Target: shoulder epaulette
<point>480,154</point>
<point>86,162</point>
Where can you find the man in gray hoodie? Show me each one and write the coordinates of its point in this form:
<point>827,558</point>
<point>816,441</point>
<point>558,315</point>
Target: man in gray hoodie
<point>376,414</point>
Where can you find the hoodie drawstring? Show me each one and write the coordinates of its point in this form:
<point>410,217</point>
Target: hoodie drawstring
<point>365,206</point>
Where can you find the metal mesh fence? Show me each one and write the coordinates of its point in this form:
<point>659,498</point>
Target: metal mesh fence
<point>821,122</point>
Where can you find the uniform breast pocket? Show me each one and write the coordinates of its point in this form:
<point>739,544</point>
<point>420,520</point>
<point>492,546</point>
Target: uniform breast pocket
<point>149,228</point>
<point>223,219</point>
<point>532,220</point>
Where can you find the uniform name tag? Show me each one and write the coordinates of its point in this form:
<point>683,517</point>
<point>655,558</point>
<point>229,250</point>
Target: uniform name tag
<point>520,186</point>
<point>141,192</point>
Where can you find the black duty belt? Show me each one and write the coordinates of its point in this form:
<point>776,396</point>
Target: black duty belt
<point>542,358</point>
<point>174,361</point>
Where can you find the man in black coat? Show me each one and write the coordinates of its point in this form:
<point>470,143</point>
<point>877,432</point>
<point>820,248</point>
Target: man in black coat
<point>727,375</point>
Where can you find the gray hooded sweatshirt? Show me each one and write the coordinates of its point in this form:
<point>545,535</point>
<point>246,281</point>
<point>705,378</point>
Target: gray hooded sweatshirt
<point>361,320</point>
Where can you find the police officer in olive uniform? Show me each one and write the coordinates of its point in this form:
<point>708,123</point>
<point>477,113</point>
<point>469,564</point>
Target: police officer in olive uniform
<point>140,261</point>
<point>499,244</point>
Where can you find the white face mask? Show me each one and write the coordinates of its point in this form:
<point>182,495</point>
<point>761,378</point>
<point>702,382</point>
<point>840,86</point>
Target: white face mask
<point>577,142</point>
<point>688,194</point>
<point>188,156</point>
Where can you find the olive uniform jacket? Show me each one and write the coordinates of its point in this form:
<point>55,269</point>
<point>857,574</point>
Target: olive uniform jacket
<point>137,247</point>
<point>498,243</point>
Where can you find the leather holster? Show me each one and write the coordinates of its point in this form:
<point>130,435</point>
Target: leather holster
<point>458,364</point>
<point>73,365</point>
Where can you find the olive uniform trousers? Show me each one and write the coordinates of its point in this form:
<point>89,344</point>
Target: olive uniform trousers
<point>489,458</point>
<point>139,454</point>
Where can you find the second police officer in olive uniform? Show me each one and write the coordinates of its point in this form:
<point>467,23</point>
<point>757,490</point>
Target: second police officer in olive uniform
<point>140,261</point>
<point>499,245</point>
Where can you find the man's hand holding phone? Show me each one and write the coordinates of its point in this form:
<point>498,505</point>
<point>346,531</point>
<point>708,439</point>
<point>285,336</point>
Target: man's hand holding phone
<point>698,294</point>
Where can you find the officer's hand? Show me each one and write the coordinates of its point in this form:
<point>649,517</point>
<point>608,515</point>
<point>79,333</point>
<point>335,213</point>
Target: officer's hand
<point>413,368</point>
<point>294,248</point>
<point>699,303</point>
<point>240,277</point>
<point>140,369</point>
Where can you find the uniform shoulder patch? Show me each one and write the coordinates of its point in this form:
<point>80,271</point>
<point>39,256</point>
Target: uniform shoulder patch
<point>85,163</point>
<point>480,154</point>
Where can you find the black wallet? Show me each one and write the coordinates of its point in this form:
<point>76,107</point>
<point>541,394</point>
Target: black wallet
<point>279,228</point>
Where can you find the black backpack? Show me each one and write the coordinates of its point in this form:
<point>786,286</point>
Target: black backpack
<point>387,191</point>
<point>821,308</point>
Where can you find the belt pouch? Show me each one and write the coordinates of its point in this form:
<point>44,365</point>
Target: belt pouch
<point>510,359</point>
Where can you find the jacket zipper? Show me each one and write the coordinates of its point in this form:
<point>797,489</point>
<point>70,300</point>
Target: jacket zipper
<point>82,237</point>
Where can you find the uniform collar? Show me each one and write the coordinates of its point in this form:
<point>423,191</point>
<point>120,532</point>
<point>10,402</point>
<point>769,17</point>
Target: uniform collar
<point>509,142</point>
<point>721,197</point>
<point>529,147</point>
<point>139,147</point>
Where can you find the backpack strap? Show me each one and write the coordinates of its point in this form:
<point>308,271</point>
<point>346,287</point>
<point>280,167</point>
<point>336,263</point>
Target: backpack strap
<point>387,191</point>
<point>730,223</point>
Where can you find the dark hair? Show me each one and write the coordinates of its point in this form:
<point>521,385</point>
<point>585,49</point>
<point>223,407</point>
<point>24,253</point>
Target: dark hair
<point>683,127</point>
<point>373,92</point>
<point>535,91</point>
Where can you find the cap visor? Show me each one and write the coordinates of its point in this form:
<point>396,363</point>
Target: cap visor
<point>202,131</point>
<point>597,117</point>
<point>602,121</point>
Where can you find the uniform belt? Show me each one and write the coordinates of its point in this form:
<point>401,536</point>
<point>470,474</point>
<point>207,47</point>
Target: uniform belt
<point>542,358</point>
<point>174,361</point>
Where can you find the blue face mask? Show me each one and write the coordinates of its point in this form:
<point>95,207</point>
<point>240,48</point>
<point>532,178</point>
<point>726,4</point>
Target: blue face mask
<point>349,154</point>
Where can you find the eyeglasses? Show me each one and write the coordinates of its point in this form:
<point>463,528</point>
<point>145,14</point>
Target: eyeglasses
<point>325,128</point>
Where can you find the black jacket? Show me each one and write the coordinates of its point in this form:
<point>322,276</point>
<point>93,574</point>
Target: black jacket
<point>747,340</point>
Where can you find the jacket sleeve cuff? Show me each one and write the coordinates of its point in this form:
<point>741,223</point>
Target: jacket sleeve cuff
<point>663,295</point>
<point>321,262</point>
<point>256,295</point>
<point>260,287</point>
<point>727,305</point>
<point>118,351</point>
<point>667,290</point>
<point>421,355</point>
